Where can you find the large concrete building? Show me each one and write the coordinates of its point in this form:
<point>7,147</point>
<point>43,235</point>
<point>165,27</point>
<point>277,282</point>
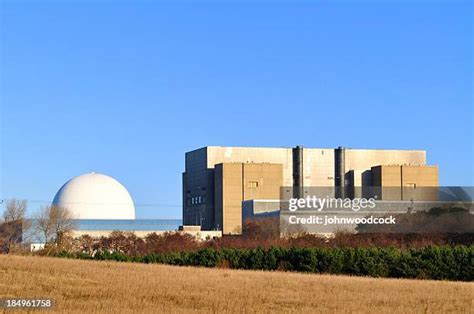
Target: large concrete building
<point>218,179</point>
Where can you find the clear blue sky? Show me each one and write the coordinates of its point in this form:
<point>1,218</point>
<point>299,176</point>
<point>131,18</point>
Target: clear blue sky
<point>126,89</point>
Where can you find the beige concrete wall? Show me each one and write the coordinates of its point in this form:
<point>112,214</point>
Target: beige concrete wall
<point>228,178</point>
<point>318,163</point>
<point>236,182</point>
<point>419,183</point>
<point>426,176</point>
<point>406,182</point>
<point>318,167</point>
<point>283,156</point>
<point>364,159</point>
<point>269,178</point>
<point>390,182</point>
<point>391,176</point>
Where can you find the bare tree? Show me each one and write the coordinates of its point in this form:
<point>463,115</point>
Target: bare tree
<point>62,221</point>
<point>15,210</point>
<point>13,224</point>
<point>43,223</point>
<point>54,223</point>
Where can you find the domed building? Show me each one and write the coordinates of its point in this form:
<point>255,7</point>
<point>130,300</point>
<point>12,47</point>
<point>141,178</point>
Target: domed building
<point>101,205</point>
<point>95,196</point>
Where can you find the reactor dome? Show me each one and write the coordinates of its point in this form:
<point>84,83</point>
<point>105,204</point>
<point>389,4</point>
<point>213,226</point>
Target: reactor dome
<point>95,196</point>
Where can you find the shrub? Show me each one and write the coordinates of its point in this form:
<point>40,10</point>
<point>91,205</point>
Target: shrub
<point>440,263</point>
<point>255,236</point>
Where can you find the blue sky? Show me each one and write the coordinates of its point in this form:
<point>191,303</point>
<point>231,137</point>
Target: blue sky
<point>126,88</point>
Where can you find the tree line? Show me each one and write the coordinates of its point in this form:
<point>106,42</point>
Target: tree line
<point>431,262</point>
<point>53,223</point>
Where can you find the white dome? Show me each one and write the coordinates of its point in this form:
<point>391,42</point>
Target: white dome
<point>95,196</point>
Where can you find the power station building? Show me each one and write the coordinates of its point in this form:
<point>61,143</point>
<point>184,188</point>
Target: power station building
<point>217,180</point>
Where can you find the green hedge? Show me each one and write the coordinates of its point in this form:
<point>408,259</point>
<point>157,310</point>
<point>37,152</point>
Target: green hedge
<point>440,263</point>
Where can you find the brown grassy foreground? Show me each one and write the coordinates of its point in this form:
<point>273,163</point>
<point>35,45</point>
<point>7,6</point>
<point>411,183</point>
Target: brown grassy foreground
<point>93,286</point>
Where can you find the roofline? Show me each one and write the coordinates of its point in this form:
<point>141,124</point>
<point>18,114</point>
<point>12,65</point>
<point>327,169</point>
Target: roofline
<point>325,148</point>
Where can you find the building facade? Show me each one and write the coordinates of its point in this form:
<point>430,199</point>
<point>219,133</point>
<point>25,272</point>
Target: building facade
<point>218,179</point>
<point>238,182</point>
<point>405,183</point>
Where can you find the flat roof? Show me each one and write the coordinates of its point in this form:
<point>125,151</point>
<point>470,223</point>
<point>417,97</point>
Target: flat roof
<point>304,147</point>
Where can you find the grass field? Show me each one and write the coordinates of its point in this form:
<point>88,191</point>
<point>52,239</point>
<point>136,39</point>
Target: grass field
<point>93,286</point>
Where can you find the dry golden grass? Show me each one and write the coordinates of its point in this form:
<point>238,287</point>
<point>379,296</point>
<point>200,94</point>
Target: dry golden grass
<point>93,286</point>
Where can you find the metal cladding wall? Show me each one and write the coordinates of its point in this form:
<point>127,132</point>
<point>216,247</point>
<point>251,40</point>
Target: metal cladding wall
<point>198,190</point>
<point>339,171</point>
<point>298,176</point>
